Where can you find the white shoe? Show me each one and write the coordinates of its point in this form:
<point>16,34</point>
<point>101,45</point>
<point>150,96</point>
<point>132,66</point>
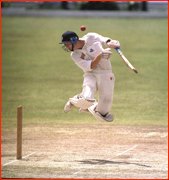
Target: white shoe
<point>81,102</point>
<point>83,110</point>
<point>68,107</point>
<point>108,118</point>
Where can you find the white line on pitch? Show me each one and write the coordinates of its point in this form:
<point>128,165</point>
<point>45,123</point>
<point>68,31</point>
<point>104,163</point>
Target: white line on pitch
<point>126,150</point>
<point>18,159</point>
<point>107,159</point>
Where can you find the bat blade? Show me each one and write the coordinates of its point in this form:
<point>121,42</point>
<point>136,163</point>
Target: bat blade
<point>126,61</point>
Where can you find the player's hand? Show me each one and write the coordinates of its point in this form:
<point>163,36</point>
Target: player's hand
<point>114,44</point>
<point>105,54</point>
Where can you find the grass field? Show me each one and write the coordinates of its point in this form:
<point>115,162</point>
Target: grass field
<point>37,74</point>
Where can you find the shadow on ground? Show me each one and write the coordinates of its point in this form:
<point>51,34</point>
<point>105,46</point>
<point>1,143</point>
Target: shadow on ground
<point>102,161</point>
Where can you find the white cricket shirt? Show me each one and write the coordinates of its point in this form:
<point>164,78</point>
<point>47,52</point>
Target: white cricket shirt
<point>92,47</point>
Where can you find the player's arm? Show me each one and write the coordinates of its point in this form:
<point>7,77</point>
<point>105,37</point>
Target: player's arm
<point>95,61</point>
<point>99,53</point>
<point>108,42</point>
<point>105,54</point>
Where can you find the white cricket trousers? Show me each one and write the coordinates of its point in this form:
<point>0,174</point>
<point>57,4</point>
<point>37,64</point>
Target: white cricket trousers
<point>103,82</point>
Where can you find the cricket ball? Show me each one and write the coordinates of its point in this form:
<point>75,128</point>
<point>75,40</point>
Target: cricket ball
<point>83,28</point>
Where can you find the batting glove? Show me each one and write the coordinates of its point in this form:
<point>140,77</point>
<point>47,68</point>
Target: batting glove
<point>114,44</point>
<point>105,54</point>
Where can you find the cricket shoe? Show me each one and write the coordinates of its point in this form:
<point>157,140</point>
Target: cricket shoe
<point>106,118</point>
<point>68,107</point>
<point>81,102</point>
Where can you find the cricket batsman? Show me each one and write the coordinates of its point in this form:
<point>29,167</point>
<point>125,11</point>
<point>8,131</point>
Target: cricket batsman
<point>89,55</point>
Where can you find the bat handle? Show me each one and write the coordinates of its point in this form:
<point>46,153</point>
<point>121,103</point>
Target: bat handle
<point>118,50</point>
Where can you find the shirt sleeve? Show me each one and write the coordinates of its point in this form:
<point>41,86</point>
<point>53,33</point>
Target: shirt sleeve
<point>103,39</point>
<point>85,65</point>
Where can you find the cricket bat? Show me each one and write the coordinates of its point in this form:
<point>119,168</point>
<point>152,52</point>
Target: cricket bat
<point>126,61</point>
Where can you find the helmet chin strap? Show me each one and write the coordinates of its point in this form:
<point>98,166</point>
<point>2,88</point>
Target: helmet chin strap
<point>72,47</point>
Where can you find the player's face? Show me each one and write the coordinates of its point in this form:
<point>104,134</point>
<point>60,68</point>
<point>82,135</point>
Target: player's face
<point>68,45</point>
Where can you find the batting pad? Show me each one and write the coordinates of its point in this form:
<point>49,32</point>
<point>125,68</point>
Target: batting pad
<point>109,117</point>
<point>81,102</point>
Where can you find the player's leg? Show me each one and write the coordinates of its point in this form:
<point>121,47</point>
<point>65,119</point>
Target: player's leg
<point>105,92</point>
<point>88,94</point>
<point>105,97</point>
<point>86,98</point>
<point>89,86</point>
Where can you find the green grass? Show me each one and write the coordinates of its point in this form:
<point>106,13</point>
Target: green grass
<point>37,74</point>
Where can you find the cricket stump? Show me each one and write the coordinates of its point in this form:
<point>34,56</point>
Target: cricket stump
<point>19,133</point>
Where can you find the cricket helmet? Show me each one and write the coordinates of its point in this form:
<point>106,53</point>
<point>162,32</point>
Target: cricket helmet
<point>69,36</point>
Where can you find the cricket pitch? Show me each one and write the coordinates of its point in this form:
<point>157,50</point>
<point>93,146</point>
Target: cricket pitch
<point>87,152</point>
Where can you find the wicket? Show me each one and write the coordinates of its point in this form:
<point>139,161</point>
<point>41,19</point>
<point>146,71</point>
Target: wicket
<point>19,132</point>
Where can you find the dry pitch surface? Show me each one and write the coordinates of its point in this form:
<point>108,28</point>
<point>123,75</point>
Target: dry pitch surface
<point>87,152</point>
